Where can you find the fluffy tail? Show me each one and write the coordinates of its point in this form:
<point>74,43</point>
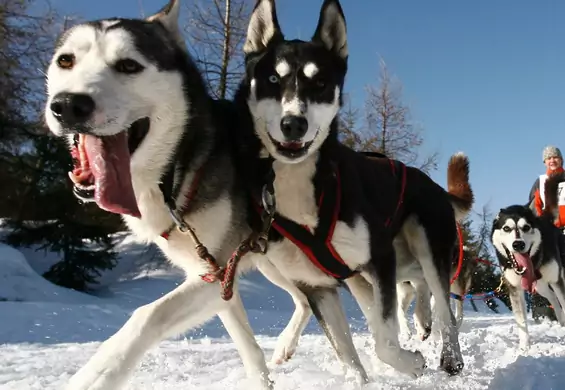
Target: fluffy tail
<point>458,187</point>
<point>551,208</point>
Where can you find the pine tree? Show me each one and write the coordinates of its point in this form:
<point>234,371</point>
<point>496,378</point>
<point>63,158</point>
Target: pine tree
<point>60,223</point>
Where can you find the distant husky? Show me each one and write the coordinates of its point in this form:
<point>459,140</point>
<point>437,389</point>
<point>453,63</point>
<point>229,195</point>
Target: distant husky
<point>527,249</point>
<point>293,91</point>
<point>418,289</point>
<point>147,139</point>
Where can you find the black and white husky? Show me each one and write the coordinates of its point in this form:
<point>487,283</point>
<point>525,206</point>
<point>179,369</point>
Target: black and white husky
<point>527,250</point>
<point>293,92</point>
<point>147,138</point>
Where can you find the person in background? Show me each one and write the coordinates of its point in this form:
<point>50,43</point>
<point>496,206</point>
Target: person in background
<point>553,160</point>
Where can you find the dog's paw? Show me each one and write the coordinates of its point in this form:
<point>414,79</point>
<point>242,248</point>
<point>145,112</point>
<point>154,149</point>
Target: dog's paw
<point>411,363</point>
<point>451,364</point>
<point>425,333</point>
<point>285,349</point>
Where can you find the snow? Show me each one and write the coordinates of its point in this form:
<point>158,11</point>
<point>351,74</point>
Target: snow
<point>48,332</point>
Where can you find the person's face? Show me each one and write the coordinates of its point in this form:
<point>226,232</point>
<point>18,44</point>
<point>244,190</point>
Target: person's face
<point>553,163</point>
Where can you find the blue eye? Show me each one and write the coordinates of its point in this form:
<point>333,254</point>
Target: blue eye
<point>273,79</point>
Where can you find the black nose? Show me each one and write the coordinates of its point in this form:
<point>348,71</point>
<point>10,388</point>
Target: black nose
<point>294,127</point>
<point>72,108</point>
<point>519,246</point>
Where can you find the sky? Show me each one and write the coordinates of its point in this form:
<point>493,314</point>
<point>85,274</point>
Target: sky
<point>483,77</point>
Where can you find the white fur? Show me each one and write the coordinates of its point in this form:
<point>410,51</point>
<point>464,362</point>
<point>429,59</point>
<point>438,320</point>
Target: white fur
<point>310,70</point>
<point>282,69</point>
<point>260,29</point>
<point>267,114</point>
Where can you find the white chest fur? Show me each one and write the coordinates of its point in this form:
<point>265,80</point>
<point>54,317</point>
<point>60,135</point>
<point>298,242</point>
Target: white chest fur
<point>211,224</point>
<point>295,199</point>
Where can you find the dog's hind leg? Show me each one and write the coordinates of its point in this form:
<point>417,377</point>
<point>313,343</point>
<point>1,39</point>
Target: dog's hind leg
<point>423,310</point>
<point>554,274</point>
<point>329,312</point>
<point>438,282</point>
<point>190,304</point>
<point>518,302</point>
<point>543,289</point>
<point>457,289</point>
<point>288,339</point>
<point>405,292</point>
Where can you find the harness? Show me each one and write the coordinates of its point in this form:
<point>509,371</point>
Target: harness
<point>224,275</point>
<point>317,245</point>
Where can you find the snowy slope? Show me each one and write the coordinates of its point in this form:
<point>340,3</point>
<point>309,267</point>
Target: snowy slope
<point>43,341</point>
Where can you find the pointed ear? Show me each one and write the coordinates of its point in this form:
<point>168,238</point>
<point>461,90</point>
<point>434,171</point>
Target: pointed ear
<point>331,30</point>
<point>263,27</point>
<point>168,16</point>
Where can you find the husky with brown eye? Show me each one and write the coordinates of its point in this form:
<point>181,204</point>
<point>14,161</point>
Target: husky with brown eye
<point>150,144</point>
<point>529,250</point>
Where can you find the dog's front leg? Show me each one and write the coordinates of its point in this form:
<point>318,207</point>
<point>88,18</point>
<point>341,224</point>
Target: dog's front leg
<point>518,302</point>
<point>288,339</point>
<point>382,316</point>
<point>405,295</point>
<point>236,322</point>
<point>329,312</point>
<point>190,304</point>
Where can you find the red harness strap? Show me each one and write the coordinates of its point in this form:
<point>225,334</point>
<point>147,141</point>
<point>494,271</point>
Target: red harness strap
<point>318,246</point>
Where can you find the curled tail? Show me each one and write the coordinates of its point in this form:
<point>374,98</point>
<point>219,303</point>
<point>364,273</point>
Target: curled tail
<point>551,185</point>
<point>458,187</point>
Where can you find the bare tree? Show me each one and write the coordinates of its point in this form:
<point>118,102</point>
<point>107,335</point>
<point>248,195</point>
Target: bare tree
<point>348,123</point>
<point>388,127</point>
<point>216,31</point>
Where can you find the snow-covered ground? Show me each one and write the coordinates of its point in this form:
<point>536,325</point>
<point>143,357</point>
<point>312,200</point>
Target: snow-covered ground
<point>48,332</point>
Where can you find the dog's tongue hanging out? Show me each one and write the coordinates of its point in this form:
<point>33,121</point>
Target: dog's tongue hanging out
<point>109,161</point>
<point>529,276</point>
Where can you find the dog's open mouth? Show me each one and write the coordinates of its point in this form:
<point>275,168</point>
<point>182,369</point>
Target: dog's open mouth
<point>523,266</point>
<point>291,149</point>
<point>101,169</point>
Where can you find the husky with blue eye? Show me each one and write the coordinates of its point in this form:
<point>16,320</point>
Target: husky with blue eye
<point>337,215</point>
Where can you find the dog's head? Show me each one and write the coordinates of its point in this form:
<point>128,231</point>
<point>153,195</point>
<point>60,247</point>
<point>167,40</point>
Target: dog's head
<point>109,81</point>
<point>516,236</point>
<point>294,87</point>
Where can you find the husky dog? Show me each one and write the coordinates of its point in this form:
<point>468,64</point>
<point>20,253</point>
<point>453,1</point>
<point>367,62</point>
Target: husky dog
<point>418,289</point>
<point>528,251</point>
<point>293,92</point>
<point>147,139</point>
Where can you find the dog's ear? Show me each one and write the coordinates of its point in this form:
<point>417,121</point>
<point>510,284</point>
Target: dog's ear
<point>263,27</point>
<point>168,16</point>
<point>331,30</point>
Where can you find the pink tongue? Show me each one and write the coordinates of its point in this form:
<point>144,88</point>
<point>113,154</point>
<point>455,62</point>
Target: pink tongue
<point>529,276</point>
<point>109,161</point>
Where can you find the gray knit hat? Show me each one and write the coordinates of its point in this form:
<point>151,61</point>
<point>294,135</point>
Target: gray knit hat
<point>551,151</point>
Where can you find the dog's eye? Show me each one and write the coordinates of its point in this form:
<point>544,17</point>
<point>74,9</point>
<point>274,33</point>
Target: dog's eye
<point>66,61</point>
<point>320,83</point>
<point>128,66</point>
<point>507,229</point>
<point>273,79</point>
<point>526,228</point>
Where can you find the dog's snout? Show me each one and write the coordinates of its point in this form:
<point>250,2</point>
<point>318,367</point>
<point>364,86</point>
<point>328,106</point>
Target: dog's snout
<point>518,245</point>
<point>294,127</point>
<point>72,108</point>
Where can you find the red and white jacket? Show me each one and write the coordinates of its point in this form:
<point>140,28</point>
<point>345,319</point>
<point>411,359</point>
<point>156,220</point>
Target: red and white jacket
<point>537,194</point>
